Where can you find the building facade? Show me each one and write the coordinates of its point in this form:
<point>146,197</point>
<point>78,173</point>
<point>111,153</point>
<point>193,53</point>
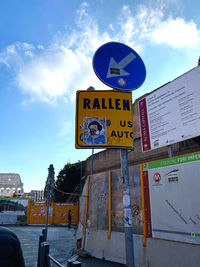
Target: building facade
<point>10,183</point>
<point>35,195</point>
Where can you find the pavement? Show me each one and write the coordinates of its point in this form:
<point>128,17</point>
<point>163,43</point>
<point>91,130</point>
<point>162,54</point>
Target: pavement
<point>29,239</point>
<point>62,246</point>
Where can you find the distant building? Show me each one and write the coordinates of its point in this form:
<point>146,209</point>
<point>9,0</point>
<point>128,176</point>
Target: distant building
<point>35,195</point>
<point>10,183</point>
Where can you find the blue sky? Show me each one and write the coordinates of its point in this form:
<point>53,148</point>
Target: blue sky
<point>46,49</point>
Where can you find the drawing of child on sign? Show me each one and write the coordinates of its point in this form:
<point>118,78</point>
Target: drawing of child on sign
<point>94,131</point>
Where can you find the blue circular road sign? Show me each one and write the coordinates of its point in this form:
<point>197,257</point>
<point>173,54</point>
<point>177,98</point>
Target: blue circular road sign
<point>119,66</point>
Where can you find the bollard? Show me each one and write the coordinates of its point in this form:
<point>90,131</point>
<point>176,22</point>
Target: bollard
<point>41,240</point>
<point>44,233</point>
<point>73,263</point>
<point>45,255</point>
<point>76,264</point>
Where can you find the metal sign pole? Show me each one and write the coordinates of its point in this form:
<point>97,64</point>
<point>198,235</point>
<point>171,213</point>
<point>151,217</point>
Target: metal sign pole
<point>92,162</point>
<point>127,210</point>
<point>47,217</point>
<point>170,151</point>
<point>49,190</point>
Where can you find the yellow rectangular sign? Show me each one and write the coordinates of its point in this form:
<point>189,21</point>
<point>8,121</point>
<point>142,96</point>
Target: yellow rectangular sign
<point>104,119</point>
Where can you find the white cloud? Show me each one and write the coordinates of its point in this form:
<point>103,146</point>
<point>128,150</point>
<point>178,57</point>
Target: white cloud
<point>12,54</point>
<point>66,65</point>
<point>54,74</point>
<point>40,46</point>
<point>49,73</point>
<point>28,53</point>
<point>177,33</point>
<point>152,24</point>
<point>138,27</point>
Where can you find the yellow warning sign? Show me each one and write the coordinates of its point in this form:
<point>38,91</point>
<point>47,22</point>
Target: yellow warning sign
<point>104,119</point>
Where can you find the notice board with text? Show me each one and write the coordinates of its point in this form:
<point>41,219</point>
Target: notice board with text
<point>171,113</point>
<point>173,187</point>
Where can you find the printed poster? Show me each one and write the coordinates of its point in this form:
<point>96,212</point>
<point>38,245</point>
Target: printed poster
<point>174,187</point>
<point>171,113</point>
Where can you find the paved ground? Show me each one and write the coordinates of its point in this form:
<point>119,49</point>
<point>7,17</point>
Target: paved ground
<point>62,244</point>
<point>29,239</point>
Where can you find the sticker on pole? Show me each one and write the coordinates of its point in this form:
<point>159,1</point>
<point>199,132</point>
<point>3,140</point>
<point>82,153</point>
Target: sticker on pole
<point>127,217</point>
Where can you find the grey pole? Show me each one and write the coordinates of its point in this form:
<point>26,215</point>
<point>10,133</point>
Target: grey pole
<point>170,151</point>
<point>47,217</point>
<point>92,161</point>
<point>80,162</point>
<point>127,210</point>
<point>49,187</point>
<point>91,172</point>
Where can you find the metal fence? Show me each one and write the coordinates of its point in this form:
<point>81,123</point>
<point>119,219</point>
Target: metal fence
<point>56,251</point>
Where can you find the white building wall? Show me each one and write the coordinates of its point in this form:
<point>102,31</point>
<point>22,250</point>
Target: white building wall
<point>157,253</point>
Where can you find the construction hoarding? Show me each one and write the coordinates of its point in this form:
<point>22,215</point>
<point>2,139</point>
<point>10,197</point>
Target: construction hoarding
<point>37,213</point>
<point>104,119</point>
<point>97,218</point>
<point>173,189</point>
<point>171,113</point>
